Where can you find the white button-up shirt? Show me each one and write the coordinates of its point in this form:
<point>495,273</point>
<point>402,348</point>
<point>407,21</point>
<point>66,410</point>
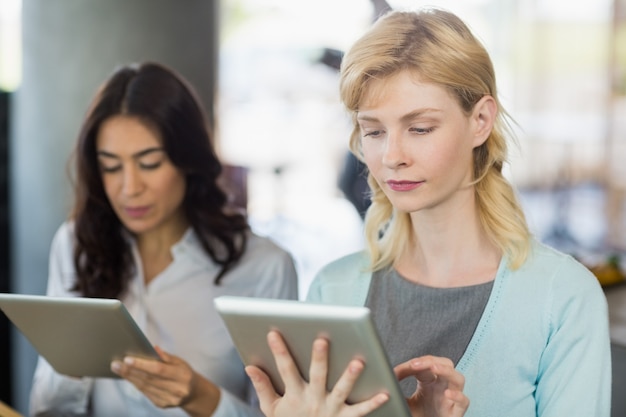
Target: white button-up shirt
<point>176,312</point>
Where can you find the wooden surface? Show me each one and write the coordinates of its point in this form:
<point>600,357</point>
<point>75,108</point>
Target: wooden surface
<point>6,411</point>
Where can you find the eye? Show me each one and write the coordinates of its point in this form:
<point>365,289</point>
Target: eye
<point>109,168</point>
<point>372,133</point>
<point>150,166</point>
<point>151,161</point>
<point>422,130</point>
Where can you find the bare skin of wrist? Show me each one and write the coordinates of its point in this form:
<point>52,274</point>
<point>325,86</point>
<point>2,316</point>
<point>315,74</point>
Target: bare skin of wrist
<point>204,400</point>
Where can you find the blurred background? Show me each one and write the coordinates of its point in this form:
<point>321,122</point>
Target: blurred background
<point>266,73</point>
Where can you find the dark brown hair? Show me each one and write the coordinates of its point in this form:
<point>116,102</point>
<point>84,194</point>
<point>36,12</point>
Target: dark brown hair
<point>163,100</point>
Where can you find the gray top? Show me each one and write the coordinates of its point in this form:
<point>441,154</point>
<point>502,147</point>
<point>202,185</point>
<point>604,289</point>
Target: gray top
<point>444,318</point>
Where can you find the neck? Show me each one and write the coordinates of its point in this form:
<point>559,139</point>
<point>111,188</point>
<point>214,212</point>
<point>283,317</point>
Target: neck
<point>161,240</point>
<point>155,248</point>
<point>449,249</point>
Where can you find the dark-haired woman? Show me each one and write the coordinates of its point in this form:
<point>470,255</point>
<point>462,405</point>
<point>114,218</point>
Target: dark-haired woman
<point>152,227</point>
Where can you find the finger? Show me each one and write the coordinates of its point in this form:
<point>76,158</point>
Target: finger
<point>345,383</point>
<point>365,407</point>
<point>457,405</point>
<point>121,367</point>
<point>162,354</point>
<point>129,362</point>
<point>170,369</point>
<point>441,368</point>
<point>430,369</point>
<point>263,386</point>
<point>162,391</point>
<point>451,376</point>
<point>318,371</point>
<point>174,377</point>
<point>417,368</point>
<point>118,368</point>
<point>161,396</point>
<point>284,361</point>
<point>173,392</point>
<point>143,380</point>
<point>127,368</point>
<point>457,397</point>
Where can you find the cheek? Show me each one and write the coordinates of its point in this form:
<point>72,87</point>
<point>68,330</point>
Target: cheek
<point>446,156</point>
<point>372,154</point>
<point>173,188</point>
<point>454,161</point>
<point>109,183</point>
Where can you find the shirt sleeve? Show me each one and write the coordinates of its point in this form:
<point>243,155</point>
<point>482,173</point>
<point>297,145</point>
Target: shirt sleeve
<point>58,395</point>
<point>231,406</point>
<point>575,368</point>
<point>51,392</point>
<point>279,278</point>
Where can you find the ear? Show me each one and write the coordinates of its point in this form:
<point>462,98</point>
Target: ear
<point>483,117</point>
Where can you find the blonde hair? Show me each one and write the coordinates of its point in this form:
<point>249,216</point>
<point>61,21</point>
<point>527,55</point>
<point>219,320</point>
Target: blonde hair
<point>439,47</point>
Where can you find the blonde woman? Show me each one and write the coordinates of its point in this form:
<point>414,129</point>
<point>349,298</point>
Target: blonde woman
<point>478,317</point>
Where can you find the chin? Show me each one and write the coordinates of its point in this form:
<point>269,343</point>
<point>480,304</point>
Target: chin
<point>138,227</point>
<point>407,210</point>
<point>406,206</point>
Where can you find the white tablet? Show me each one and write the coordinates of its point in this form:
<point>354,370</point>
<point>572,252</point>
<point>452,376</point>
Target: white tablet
<point>77,336</point>
<point>350,331</point>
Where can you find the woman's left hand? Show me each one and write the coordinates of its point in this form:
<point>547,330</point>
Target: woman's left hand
<point>170,382</point>
<point>439,390</point>
<point>309,399</point>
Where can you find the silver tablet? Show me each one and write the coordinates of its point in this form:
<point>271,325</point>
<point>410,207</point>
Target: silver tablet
<point>77,336</point>
<point>350,331</point>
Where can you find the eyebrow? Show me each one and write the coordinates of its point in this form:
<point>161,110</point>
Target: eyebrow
<point>406,118</point>
<point>136,155</point>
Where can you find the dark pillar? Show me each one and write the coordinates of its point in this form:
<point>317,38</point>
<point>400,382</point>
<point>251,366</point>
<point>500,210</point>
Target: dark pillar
<point>6,392</point>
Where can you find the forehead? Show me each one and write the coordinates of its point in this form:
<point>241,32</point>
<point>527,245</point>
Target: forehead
<point>404,88</point>
<point>127,133</point>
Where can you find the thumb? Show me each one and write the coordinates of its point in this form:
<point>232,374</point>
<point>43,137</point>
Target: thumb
<point>165,357</point>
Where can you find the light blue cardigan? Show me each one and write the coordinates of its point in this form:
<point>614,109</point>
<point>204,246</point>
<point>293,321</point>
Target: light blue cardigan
<point>542,345</point>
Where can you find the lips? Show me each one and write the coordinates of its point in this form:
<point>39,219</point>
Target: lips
<point>136,212</point>
<point>404,185</point>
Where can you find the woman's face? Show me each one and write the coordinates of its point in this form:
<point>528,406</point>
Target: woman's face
<point>144,188</point>
<point>417,142</point>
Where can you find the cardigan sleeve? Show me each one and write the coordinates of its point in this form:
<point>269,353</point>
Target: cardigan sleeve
<point>575,369</point>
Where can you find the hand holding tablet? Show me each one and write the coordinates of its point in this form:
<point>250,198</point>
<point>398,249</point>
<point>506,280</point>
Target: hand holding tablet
<point>350,335</point>
<point>302,396</point>
<point>332,359</point>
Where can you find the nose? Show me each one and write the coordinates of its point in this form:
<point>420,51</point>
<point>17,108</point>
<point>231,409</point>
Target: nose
<point>395,154</point>
<point>132,181</point>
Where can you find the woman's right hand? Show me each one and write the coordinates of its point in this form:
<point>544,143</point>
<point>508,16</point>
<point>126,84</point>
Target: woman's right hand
<point>309,399</point>
<point>439,390</point>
